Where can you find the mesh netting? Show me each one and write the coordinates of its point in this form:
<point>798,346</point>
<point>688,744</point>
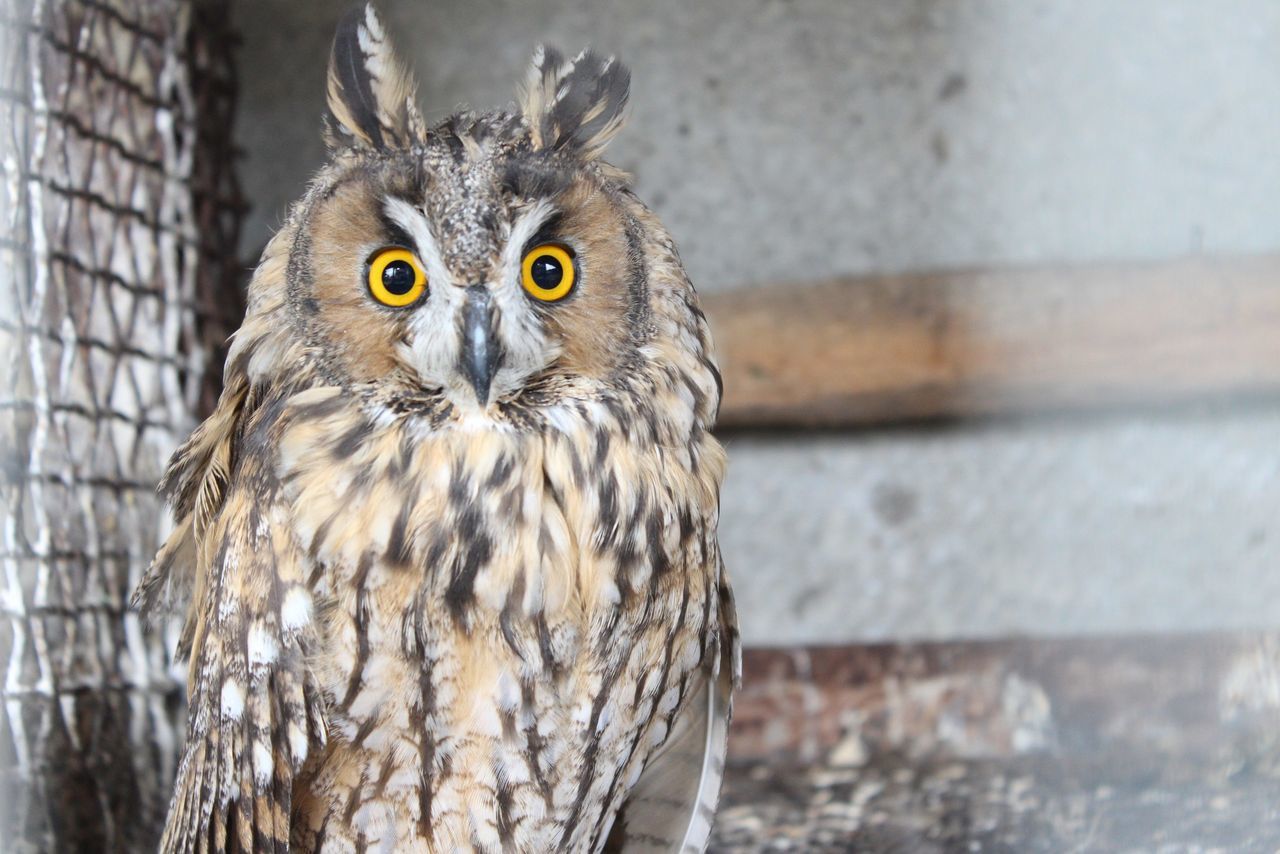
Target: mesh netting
<point>117,280</point>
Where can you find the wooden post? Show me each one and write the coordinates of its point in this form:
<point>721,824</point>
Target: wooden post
<point>993,342</point>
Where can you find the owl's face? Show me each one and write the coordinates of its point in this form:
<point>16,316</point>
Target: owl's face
<point>490,261</point>
<point>472,269</point>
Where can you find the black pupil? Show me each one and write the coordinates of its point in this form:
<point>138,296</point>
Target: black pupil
<point>397,277</point>
<point>547,272</point>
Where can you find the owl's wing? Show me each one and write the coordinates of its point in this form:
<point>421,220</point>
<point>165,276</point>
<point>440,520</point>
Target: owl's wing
<point>672,806</point>
<point>254,711</point>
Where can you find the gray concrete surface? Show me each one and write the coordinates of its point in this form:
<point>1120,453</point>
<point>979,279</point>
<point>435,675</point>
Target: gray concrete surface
<point>787,141</point>
<point>1119,523</point>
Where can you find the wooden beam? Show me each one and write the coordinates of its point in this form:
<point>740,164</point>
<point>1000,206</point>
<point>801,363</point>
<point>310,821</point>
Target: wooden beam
<point>990,342</point>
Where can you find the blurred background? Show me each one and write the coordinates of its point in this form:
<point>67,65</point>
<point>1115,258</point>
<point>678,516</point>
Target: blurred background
<point>996,291</point>
<point>1096,450</point>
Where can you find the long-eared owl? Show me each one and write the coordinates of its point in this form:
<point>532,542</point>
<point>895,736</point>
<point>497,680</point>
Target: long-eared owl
<point>447,545</point>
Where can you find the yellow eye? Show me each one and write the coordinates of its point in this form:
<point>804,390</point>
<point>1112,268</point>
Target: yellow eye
<point>547,272</point>
<point>395,277</point>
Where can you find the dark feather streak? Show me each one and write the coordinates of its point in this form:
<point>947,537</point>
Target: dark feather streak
<point>349,63</point>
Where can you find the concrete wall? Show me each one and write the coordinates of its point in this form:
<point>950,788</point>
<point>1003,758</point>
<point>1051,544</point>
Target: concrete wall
<point>787,141</point>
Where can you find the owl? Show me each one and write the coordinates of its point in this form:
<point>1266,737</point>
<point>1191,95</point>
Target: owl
<point>447,545</point>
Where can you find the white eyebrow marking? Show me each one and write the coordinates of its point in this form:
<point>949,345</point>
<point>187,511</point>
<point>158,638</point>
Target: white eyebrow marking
<point>414,222</point>
<point>523,231</point>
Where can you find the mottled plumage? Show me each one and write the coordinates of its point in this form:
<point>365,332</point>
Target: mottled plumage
<point>452,569</point>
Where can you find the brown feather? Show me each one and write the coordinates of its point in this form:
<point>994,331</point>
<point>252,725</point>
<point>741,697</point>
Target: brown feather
<point>371,94</point>
<point>579,104</point>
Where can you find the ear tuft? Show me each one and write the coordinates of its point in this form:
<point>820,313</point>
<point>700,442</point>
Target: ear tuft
<point>577,104</point>
<point>371,95</point>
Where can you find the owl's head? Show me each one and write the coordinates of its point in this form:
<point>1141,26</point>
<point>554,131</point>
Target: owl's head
<point>492,262</point>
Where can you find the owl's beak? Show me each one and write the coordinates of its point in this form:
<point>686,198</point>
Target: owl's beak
<point>481,351</point>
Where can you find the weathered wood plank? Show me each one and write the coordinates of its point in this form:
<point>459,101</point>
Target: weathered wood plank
<point>1156,742</point>
<point>1194,694</point>
<point>936,345</point>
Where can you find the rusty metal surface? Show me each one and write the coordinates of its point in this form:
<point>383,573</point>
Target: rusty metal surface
<point>118,221</point>
<point>1136,743</point>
